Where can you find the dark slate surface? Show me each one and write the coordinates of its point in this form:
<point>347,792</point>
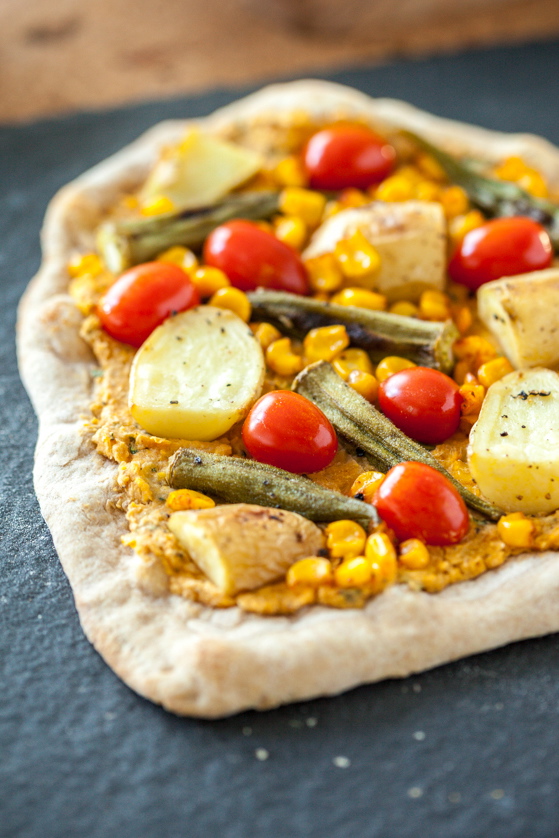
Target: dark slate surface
<point>464,751</point>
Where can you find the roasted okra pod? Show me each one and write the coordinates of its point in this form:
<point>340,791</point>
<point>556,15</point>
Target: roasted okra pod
<point>236,480</point>
<point>377,332</point>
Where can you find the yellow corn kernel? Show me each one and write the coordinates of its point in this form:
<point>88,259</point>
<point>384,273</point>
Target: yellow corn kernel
<point>395,188</point>
<point>427,191</point>
<point>290,172</point>
<point>454,201</point>
<point>516,530</point>
<point>534,183</point>
<point>291,230</point>
<point>351,197</point>
<point>350,360</point>
<point>345,539</point>
<point>381,554</point>
<point>365,486</point>
<point>304,203</point>
<point>188,499</point>
<point>363,383</point>
<point>265,334</point>
<point>414,555</point>
<point>379,545</point>
<point>157,206</point>
<point>404,308</point>
<point>494,370</point>
<point>475,349</point>
<point>472,398</point>
<point>360,297</point>
<point>410,174</point>
<point>391,364</point>
<point>429,166</point>
<point>313,571</point>
<point>324,273</point>
<point>462,224</point>
<point>281,358</point>
<point>434,305</point>
<point>515,169</point>
<point>208,280</point>
<point>234,300</point>
<point>462,317</point>
<point>353,573</point>
<point>470,379</point>
<point>357,258</point>
<point>511,168</point>
<point>87,263</point>
<point>181,256</point>
<point>325,343</point>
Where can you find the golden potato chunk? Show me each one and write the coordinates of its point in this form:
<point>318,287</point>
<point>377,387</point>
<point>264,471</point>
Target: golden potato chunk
<point>217,541</point>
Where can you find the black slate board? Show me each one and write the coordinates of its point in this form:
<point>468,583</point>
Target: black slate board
<point>463,751</point>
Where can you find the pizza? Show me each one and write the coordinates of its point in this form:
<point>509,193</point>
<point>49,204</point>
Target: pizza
<point>294,366</point>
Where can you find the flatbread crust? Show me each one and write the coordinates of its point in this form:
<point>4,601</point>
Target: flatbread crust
<point>196,660</point>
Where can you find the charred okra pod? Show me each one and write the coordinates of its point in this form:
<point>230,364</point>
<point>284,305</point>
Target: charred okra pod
<point>493,196</point>
<point>127,242</point>
<point>377,332</point>
<point>366,428</point>
<point>235,480</point>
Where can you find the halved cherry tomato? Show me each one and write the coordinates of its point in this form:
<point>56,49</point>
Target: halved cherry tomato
<point>501,247</point>
<point>142,298</point>
<point>286,430</point>
<point>416,501</point>
<point>252,257</point>
<point>347,155</point>
<point>422,402</point>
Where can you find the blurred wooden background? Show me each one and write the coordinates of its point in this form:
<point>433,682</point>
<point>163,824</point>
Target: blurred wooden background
<point>68,55</point>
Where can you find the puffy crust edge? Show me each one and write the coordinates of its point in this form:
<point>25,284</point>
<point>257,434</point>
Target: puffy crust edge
<point>192,659</point>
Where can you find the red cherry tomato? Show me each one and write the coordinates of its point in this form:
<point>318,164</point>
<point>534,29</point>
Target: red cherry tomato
<point>423,403</point>
<point>347,155</point>
<point>252,257</point>
<point>416,501</point>
<point>286,430</point>
<point>142,298</point>
<point>501,247</point>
